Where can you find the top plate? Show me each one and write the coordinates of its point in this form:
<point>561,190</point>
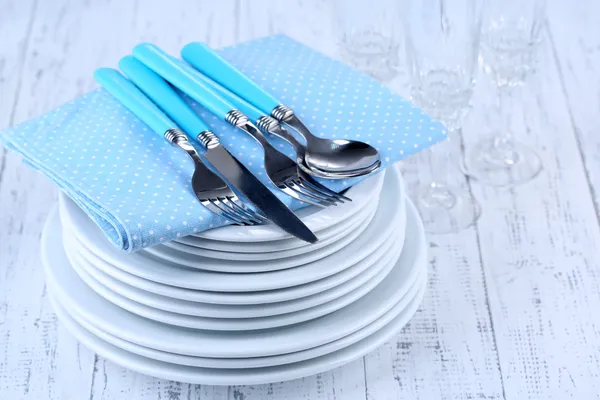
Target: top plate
<point>315,218</point>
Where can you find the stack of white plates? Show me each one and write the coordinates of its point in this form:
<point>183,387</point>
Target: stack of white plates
<point>244,305</point>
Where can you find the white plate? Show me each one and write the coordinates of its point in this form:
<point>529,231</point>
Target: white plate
<point>399,314</point>
<point>259,262</point>
<point>331,327</point>
<point>305,291</point>
<point>391,213</point>
<point>278,245</point>
<point>315,218</point>
<point>241,376</point>
<point>220,323</point>
<point>229,311</point>
<point>346,227</point>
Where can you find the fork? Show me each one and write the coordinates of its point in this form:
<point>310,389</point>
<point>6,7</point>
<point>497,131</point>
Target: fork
<point>268,124</point>
<point>212,192</point>
<point>282,171</point>
<point>298,180</point>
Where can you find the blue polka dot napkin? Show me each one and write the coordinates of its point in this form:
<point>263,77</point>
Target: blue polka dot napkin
<point>136,186</point>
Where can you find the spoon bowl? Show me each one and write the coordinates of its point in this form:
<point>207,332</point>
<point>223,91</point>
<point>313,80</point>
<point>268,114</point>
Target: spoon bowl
<point>340,155</point>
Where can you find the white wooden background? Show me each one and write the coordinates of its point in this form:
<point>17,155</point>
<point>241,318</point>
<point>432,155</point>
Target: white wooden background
<point>513,306</point>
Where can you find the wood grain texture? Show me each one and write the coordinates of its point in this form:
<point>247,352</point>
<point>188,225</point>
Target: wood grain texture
<point>511,308</point>
<point>538,251</point>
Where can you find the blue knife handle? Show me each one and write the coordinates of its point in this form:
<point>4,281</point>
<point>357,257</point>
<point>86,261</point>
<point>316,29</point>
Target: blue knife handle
<point>157,89</point>
<point>132,98</point>
<point>171,71</point>
<point>248,109</point>
<point>211,64</point>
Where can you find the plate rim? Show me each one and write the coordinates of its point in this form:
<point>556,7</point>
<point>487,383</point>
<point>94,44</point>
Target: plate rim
<point>218,281</point>
<point>297,343</point>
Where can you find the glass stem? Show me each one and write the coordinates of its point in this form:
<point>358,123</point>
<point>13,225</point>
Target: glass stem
<point>440,163</point>
<point>503,143</point>
<point>504,137</point>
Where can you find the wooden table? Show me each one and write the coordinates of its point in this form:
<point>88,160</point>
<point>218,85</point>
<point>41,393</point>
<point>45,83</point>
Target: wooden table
<point>513,306</point>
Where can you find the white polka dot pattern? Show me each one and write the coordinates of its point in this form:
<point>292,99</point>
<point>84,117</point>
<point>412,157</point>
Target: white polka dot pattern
<point>136,186</point>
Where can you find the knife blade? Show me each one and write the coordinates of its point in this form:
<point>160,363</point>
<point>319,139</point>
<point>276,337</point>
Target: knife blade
<point>238,176</point>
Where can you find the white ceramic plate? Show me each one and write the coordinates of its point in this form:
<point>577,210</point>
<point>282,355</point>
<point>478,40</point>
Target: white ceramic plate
<point>304,291</point>
<point>315,218</point>
<point>278,245</point>
<point>346,227</point>
<point>390,214</point>
<point>201,309</point>
<point>241,376</point>
<point>399,314</point>
<point>220,323</point>
<point>193,259</point>
<point>148,333</point>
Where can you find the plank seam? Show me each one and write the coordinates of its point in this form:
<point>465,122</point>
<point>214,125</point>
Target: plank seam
<point>483,274</point>
<point>582,156</point>
<point>23,56</point>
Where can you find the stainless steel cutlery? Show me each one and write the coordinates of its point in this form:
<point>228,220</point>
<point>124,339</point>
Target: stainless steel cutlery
<point>282,171</point>
<point>234,173</point>
<point>336,157</point>
<point>208,187</point>
<point>224,91</point>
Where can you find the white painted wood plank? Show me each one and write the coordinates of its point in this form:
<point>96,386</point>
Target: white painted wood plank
<point>538,243</point>
<point>573,32</point>
<point>41,360</point>
<point>30,346</point>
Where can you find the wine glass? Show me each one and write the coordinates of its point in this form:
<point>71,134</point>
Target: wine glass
<point>442,46</point>
<point>368,36</point>
<point>510,44</point>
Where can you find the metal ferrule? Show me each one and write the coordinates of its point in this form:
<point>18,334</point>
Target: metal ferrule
<point>282,113</point>
<point>267,123</point>
<point>236,118</point>
<point>208,140</point>
<point>175,136</point>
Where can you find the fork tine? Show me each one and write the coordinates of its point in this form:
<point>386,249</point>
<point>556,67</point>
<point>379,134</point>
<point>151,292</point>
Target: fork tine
<point>307,193</point>
<point>235,211</point>
<point>298,196</point>
<point>297,185</point>
<point>218,211</point>
<point>323,189</point>
<point>317,189</point>
<point>250,215</point>
<point>226,211</point>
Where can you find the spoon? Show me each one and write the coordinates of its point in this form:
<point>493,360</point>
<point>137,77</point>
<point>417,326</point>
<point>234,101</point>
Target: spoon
<point>272,126</point>
<point>337,156</point>
<point>268,124</point>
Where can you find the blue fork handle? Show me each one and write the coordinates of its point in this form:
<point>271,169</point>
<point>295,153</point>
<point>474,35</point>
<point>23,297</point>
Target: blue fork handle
<point>164,65</point>
<point>161,93</point>
<point>248,109</point>
<point>211,64</point>
<point>132,98</point>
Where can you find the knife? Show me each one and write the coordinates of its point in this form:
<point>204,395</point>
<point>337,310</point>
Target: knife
<point>234,172</point>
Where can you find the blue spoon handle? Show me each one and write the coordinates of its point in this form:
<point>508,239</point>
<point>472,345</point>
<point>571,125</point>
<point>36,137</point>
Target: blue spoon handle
<point>211,64</point>
<point>132,98</point>
<point>165,66</point>
<point>163,94</point>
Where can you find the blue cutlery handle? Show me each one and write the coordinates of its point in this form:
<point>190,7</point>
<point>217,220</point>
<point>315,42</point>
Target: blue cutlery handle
<point>157,89</point>
<point>132,98</point>
<point>171,71</point>
<point>248,109</point>
<point>211,64</point>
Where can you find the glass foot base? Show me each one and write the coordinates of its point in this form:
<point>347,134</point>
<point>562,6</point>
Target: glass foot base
<point>445,210</point>
<point>497,166</point>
